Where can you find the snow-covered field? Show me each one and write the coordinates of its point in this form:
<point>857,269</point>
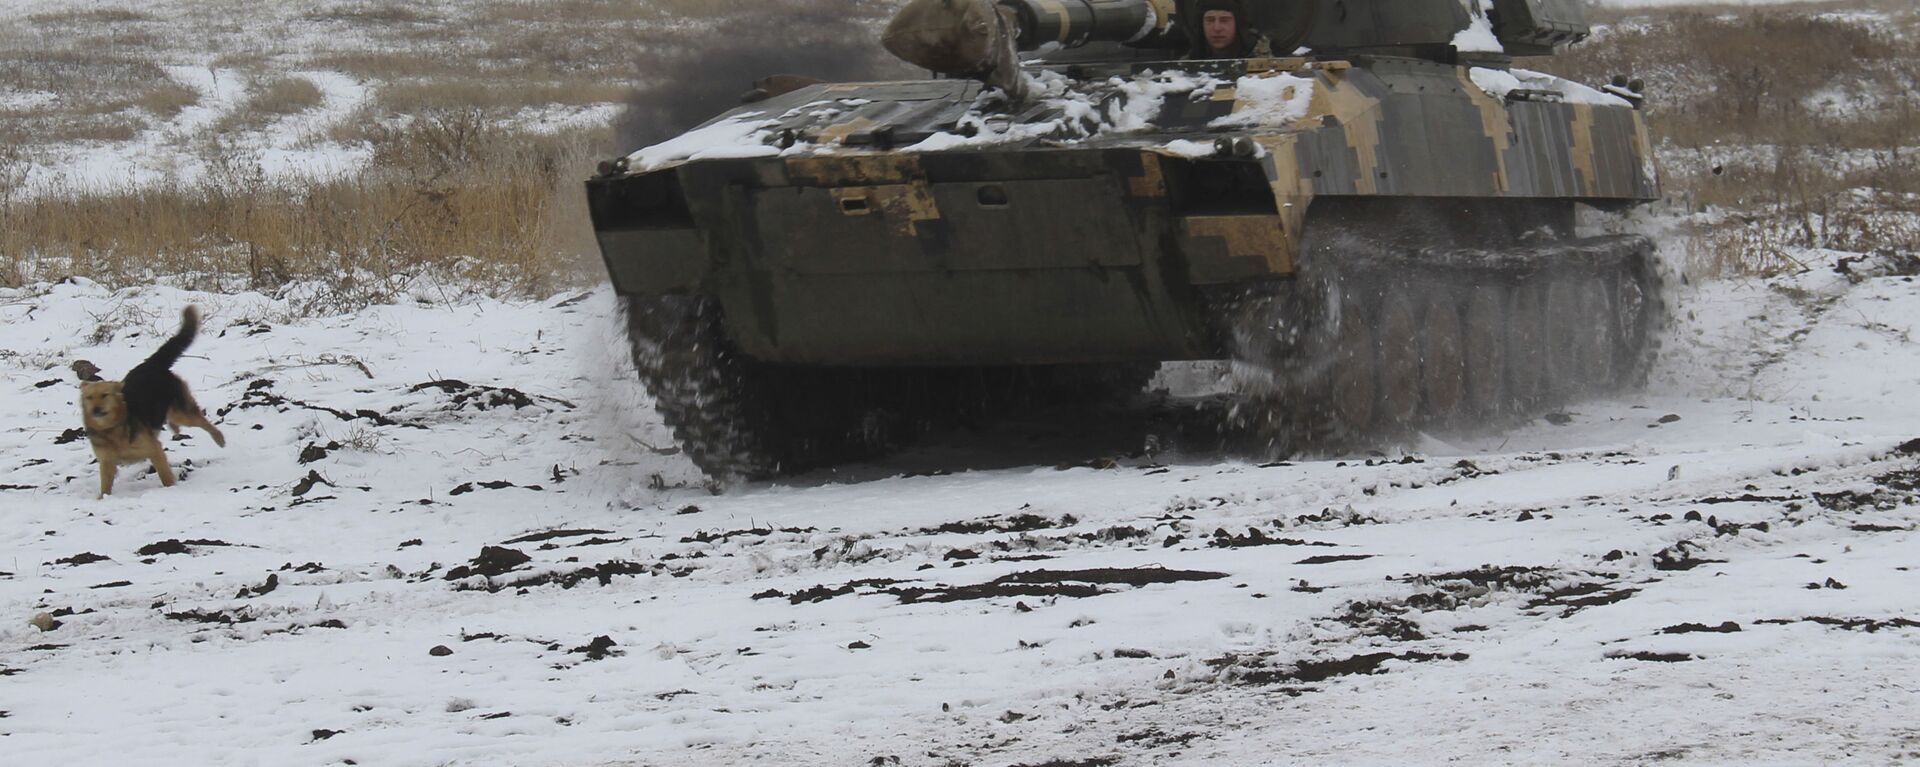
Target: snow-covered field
<point>452,530</point>
<point>1717,570</point>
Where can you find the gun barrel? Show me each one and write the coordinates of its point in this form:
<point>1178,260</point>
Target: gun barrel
<point>1073,23</point>
<point>978,38</point>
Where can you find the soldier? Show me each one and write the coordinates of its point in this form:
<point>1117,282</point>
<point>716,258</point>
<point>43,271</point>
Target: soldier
<point>1225,34</point>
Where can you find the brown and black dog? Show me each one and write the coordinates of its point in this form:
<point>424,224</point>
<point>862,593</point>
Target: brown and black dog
<point>124,417</point>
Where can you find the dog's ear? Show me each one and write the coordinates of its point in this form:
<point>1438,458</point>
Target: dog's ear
<point>86,371</point>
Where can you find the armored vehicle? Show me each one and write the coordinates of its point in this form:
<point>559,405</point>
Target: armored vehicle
<point>1377,226</point>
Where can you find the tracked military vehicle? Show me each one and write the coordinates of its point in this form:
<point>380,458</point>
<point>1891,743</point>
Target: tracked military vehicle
<point>1377,227</point>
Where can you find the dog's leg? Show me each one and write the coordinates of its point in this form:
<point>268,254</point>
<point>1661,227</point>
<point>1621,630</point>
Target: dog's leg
<point>190,414</point>
<point>198,420</point>
<point>159,457</point>
<point>107,471</point>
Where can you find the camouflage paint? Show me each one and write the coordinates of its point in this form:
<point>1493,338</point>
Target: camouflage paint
<point>853,251</point>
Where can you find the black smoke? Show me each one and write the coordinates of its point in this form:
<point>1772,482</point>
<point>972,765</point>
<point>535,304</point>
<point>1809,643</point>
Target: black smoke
<point>691,73</point>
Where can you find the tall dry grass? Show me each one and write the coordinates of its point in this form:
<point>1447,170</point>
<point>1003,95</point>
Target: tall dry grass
<point>1782,128</point>
<point>450,195</point>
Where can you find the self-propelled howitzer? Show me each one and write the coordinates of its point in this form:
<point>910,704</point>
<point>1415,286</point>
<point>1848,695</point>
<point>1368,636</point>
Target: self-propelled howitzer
<point>1378,231</point>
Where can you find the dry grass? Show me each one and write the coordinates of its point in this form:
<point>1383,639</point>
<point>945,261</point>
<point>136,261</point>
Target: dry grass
<point>451,196</point>
<point>89,17</point>
<point>86,96</point>
<point>269,100</point>
<point>371,14</point>
<point>1784,128</point>
<point>1756,77</point>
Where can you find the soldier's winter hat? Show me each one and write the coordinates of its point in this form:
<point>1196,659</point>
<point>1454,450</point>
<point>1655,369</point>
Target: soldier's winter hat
<point>1236,7</point>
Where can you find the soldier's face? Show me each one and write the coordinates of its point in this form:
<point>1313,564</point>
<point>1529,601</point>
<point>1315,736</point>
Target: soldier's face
<point>1220,29</point>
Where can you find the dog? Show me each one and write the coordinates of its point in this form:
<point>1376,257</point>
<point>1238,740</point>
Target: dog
<point>123,418</point>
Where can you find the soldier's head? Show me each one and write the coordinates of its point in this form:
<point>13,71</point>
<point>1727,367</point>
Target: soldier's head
<point>1220,25</point>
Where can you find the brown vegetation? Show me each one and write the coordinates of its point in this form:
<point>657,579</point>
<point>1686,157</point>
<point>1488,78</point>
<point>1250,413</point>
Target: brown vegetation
<point>1780,128</point>
<point>270,100</point>
<point>1784,128</point>
<point>449,196</point>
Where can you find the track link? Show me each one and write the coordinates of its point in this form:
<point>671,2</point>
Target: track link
<point>739,419</point>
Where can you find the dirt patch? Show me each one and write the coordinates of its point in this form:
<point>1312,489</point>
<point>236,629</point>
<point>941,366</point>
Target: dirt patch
<point>499,484</point>
<point>1573,599</point>
<point>309,482</point>
<point>1255,537</point>
<point>1725,627</point>
<point>315,452</point>
<point>1153,737</point>
<point>1893,490</point>
<point>1380,619</point>
<point>260,394</point>
<point>177,546</point>
<point>466,395</point>
<point>601,647</point>
<point>1396,619</point>
<point>1058,583</point>
<point>1749,498</point>
<point>1652,657</point>
<point>1018,523</point>
<point>548,535</point>
<point>1030,583</point>
<point>493,560</point>
<point>1326,559</point>
<point>84,558</point>
<point>70,436</point>
<point>223,617</point>
<point>602,573</point>
<point>272,583</point>
<point>722,537</point>
<point>1869,625</point>
<point>1097,761</point>
<point>1680,556</point>
<point>1346,517</point>
<point>1308,672</point>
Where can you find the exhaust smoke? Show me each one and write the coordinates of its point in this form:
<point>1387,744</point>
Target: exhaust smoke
<point>691,73</point>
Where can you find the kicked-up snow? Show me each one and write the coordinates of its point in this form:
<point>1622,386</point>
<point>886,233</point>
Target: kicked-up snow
<point>451,531</point>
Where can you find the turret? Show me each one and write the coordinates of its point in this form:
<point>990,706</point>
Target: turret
<point>983,38</point>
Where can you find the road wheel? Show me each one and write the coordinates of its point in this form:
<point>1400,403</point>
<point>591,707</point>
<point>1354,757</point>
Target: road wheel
<point>1527,378</point>
<point>1569,339</point>
<point>1349,379</point>
<point>1398,348</point>
<point>1443,370</point>
<point>1484,342</point>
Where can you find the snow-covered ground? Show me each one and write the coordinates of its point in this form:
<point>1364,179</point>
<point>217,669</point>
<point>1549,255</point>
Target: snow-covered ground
<point>1717,570</point>
<point>291,148</point>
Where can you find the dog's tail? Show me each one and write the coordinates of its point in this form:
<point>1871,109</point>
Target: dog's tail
<point>170,351</point>
<point>149,388</point>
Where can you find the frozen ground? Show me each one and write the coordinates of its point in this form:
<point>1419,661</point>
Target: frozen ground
<point>1718,570</point>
